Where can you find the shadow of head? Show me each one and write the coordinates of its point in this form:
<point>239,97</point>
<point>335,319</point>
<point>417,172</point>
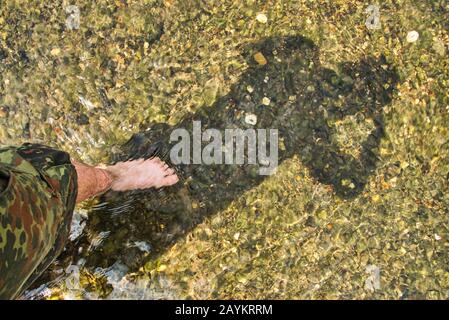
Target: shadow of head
<point>287,87</point>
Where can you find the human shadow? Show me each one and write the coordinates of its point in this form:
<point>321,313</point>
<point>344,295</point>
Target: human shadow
<point>306,99</point>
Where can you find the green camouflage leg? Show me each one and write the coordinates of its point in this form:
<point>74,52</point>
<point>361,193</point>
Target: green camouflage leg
<point>35,213</point>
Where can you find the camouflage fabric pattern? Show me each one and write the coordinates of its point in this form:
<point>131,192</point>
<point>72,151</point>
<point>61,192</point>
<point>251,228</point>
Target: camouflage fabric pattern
<point>36,209</point>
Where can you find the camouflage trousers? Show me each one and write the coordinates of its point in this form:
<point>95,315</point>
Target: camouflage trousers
<point>38,190</point>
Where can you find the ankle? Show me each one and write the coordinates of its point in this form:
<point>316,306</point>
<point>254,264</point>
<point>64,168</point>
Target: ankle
<point>104,180</point>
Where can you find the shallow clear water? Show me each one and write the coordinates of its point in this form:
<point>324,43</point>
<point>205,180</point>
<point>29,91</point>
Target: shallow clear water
<point>358,205</point>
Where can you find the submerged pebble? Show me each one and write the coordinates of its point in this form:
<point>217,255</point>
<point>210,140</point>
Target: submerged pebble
<point>262,18</point>
<point>260,59</point>
<point>82,119</point>
<point>86,103</point>
<point>372,283</point>
<point>412,36</point>
<point>251,119</point>
<point>266,101</point>
<point>142,246</point>
<point>78,224</point>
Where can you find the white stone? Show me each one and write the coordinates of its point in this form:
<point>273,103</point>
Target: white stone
<point>251,119</point>
<point>372,282</point>
<point>86,103</point>
<point>78,223</point>
<point>142,246</point>
<point>412,36</point>
<point>262,18</point>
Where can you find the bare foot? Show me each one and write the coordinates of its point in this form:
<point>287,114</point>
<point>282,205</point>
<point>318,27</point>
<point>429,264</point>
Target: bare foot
<point>141,174</point>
